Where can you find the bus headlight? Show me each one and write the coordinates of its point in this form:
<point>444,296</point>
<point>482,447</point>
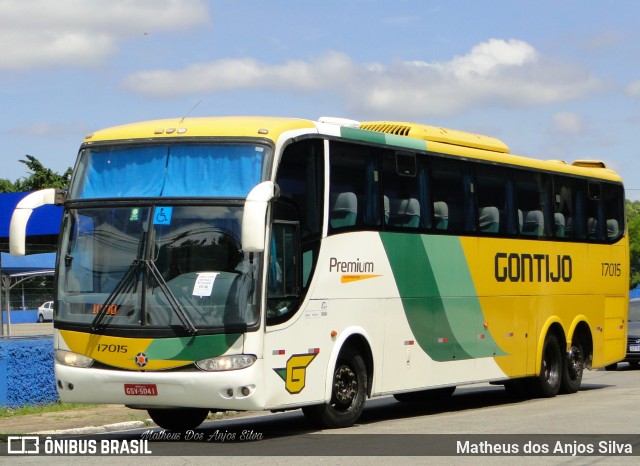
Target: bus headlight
<point>72,359</point>
<point>226,363</point>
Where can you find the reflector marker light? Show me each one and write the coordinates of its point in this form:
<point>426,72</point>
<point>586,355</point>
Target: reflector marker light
<point>278,352</point>
<point>442,340</point>
<point>314,350</point>
<point>409,343</point>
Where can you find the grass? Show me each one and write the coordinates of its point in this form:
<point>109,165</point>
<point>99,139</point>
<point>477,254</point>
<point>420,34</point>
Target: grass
<point>39,409</point>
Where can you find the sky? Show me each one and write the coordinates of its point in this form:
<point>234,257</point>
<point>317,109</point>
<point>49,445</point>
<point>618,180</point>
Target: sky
<point>552,79</point>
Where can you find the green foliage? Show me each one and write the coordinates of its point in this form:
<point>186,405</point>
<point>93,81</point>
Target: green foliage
<point>39,178</point>
<point>633,222</point>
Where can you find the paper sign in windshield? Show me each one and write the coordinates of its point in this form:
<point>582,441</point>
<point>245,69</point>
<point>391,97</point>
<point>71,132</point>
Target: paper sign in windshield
<point>204,284</point>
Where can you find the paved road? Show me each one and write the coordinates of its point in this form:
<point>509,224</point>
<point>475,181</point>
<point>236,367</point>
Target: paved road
<point>606,409</point>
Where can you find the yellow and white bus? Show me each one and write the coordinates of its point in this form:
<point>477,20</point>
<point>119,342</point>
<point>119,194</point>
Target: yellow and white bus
<point>248,263</point>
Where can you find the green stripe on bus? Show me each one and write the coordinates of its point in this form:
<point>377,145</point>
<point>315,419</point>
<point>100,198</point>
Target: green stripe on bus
<point>382,138</point>
<point>438,296</point>
<point>462,306</point>
<point>191,348</point>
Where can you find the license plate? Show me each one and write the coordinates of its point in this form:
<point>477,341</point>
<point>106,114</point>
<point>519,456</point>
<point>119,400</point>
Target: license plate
<point>634,348</point>
<point>140,389</point>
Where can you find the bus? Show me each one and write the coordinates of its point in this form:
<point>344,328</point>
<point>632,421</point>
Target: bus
<point>254,263</point>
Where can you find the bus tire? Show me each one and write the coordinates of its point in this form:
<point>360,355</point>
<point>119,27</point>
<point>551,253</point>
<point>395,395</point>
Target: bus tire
<point>572,369</point>
<point>547,384</point>
<point>348,394</point>
<point>178,419</point>
<point>425,395</point>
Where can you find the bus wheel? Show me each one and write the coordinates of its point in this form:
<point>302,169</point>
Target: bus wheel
<point>347,396</point>
<point>178,419</point>
<point>572,369</point>
<point>425,395</point>
<point>547,384</point>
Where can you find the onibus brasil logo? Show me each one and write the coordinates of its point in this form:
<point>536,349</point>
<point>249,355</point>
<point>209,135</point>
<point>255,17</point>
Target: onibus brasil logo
<point>295,374</point>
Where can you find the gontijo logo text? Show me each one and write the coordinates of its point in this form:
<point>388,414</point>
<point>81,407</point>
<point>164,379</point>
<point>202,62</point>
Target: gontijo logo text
<point>514,267</point>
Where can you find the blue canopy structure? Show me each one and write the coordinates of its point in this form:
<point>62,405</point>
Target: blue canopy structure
<point>44,220</point>
<point>27,265</point>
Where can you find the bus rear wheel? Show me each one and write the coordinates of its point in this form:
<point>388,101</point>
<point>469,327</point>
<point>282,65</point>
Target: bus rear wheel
<point>547,384</point>
<point>178,419</point>
<point>572,369</point>
<point>347,396</point>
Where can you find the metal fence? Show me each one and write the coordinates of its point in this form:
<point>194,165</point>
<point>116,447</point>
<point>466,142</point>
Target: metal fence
<point>21,297</point>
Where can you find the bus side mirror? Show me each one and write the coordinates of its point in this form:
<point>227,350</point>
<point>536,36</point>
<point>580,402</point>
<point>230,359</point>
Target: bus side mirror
<point>20,217</point>
<point>254,217</point>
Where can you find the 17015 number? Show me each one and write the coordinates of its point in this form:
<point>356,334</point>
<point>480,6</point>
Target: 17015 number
<point>611,269</point>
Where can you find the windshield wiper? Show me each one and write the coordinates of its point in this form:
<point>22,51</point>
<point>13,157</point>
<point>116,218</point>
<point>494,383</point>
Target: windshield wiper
<point>125,283</point>
<point>173,302</point>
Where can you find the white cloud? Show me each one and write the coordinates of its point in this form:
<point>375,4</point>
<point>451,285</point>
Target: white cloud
<point>633,89</point>
<point>494,73</point>
<point>567,123</point>
<point>85,33</point>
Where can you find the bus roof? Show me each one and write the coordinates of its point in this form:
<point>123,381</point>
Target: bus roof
<point>399,134</point>
<point>266,127</point>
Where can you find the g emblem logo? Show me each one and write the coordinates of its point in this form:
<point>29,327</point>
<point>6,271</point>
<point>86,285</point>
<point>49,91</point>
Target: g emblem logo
<point>295,374</point>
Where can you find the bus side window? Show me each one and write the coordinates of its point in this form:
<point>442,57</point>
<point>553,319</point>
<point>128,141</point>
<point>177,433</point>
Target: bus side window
<point>405,195</point>
<point>595,214</point>
<point>354,194</point>
<point>533,193</point>
<point>494,197</point>
<point>301,181</point>
<point>568,201</point>
<point>613,211</point>
<point>451,187</point>
<point>283,272</point>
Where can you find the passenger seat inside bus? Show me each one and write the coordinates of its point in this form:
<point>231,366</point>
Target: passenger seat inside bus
<point>404,213</point>
<point>531,222</point>
<point>489,219</point>
<point>344,211</point>
<point>559,221</point>
<point>613,229</point>
<point>441,215</point>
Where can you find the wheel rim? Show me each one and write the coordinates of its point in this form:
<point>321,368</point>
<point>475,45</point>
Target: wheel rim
<point>575,363</point>
<point>345,387</point>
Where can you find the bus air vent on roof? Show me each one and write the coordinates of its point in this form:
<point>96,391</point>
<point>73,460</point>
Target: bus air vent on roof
<point>437,134</point>
<point>389,128</point>
<point>589,163</point>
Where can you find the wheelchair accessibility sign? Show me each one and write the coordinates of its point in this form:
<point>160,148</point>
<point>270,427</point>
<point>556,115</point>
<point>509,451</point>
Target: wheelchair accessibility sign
<point>162,216</point>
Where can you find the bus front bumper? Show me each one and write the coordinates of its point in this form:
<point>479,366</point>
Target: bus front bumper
<point>240,390</point>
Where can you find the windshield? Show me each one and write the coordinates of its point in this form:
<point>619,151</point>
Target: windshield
<point>168,170</point>
<point>156,267</point>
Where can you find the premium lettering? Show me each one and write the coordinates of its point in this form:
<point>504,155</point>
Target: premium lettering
<point>350,266</point>
<point>514,267</point>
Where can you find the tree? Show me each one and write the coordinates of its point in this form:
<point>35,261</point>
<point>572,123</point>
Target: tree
<point>39,178</point>
<point>633,223</point>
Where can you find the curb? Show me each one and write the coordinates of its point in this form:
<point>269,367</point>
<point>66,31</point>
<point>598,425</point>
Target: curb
<point>99,429</point>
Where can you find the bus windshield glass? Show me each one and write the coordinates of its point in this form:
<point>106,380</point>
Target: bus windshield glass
<point>156,267</point>
<point>168,170</point>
